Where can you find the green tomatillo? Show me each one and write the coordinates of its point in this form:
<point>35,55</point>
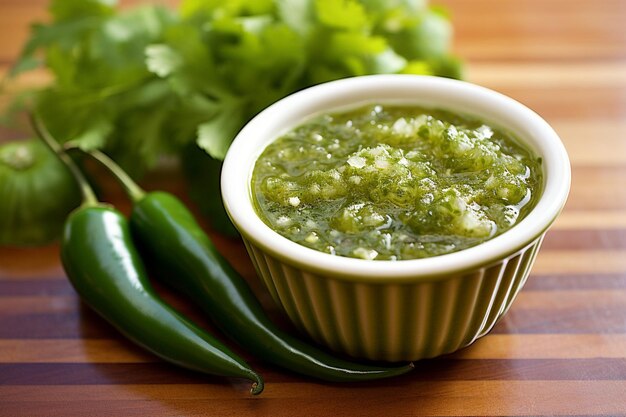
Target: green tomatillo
<point>36,194</point>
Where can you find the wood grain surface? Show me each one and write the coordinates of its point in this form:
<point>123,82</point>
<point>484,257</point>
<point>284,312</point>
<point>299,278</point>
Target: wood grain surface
<point>561,350</point>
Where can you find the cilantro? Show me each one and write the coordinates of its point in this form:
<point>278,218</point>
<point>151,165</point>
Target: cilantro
<point>151,81</point>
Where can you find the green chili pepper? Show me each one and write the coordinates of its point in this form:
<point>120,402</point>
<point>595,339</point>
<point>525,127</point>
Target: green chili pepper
<point>170,237</point>
<point>104,267</point>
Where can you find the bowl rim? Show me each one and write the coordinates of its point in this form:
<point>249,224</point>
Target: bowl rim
<point>430,91</point>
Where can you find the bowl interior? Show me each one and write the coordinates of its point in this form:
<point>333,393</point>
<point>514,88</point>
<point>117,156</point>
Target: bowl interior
<point>432,92</point>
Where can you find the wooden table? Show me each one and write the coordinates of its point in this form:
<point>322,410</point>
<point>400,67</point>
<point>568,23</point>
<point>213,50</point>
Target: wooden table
<point>561,350</point>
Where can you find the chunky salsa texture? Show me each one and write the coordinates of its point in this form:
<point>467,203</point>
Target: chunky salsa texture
<point>394,182</point>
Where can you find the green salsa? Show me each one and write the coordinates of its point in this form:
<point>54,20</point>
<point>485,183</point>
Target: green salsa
<point>394,182</point>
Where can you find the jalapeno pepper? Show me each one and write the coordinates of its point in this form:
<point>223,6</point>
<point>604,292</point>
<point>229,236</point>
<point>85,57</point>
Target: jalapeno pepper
<point>105,269</point>
<point>169,236</point>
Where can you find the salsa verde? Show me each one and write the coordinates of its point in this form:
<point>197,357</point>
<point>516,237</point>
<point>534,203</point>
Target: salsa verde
<point>394,182</point>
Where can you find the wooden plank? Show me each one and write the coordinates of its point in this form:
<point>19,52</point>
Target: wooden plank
<point>569,103</point>
<point>555,310</point>
<point>85,325</point>
<point>546,346</point>
<point>572,232</point>
<point>496,346</point>
<point>581,320</point>
<point>563,282</point>
<point>28,287</point>
<point>538,30</point>
<point>432,398</point>
<point>72,351</point>
<point>551,300</point>
<point>571,299</point>
<point>30,262</point>
<point>597,188</point>
<point>549,75</point>
<point>585,239</point>
<point>523,49</point>
<point>61,286</point>
<point>442,369</point>
<point>579,137</point>
<point>586,262</point>
<point>39,304</point>
<point>561,238</point>
<point>590,219</point>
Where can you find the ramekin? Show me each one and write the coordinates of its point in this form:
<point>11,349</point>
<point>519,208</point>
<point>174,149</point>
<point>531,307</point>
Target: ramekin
<point>395,310</point>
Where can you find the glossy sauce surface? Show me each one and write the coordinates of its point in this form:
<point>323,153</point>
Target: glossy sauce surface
<point>394,182</point>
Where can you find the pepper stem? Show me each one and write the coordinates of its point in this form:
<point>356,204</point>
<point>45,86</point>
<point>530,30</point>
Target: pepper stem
<point>133,190</point>
<point>257,385</point>
<point>89,197</point>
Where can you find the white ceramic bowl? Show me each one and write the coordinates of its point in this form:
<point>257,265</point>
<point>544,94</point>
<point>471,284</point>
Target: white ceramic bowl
<point>395,310</point>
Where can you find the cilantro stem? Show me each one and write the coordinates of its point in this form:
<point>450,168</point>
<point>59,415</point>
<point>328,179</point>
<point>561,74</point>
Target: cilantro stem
<point>135,192</point>
<point>89,197</point>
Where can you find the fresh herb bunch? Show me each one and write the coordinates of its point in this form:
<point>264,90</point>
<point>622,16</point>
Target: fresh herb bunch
<point>151,81</point>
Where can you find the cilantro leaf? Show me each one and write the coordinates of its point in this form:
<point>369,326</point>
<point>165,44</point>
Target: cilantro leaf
<point>215,135</point>
<point>342,14</point>
<point>297,14</point>
<point>162,60</point>
<point>386,62</point>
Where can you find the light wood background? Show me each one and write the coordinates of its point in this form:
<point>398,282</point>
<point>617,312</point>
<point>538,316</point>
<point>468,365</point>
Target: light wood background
<point>561,350</point>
